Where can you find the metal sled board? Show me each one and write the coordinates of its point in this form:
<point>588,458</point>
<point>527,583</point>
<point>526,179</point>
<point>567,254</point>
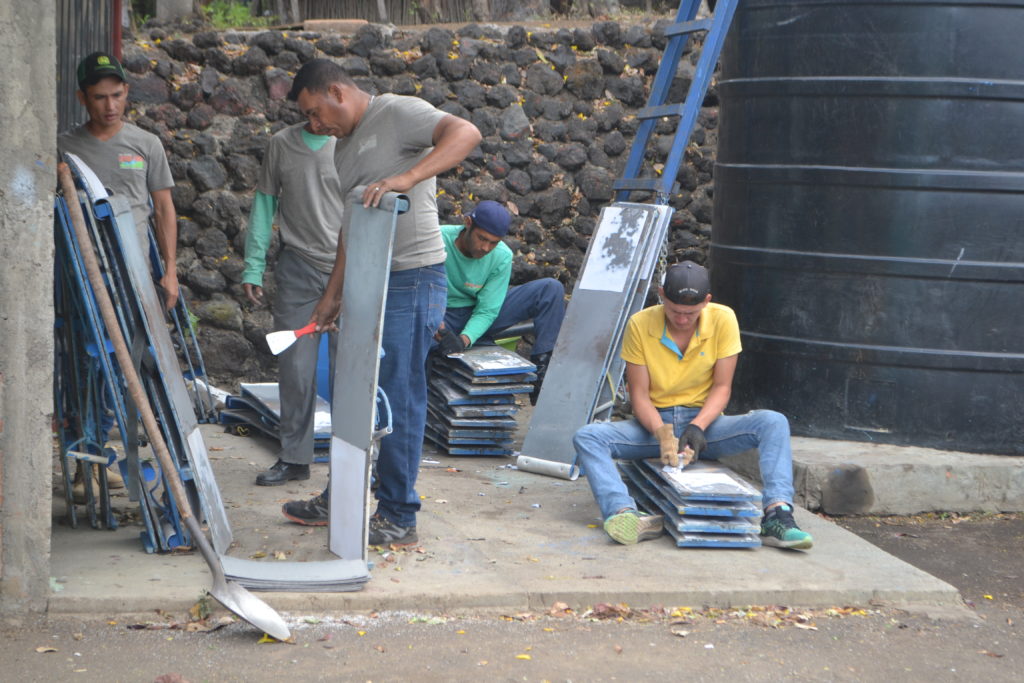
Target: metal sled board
<point>706,481</point>
<point>488,389</point>
<point>492,360</point>
<point>641,488</point>
<point>456,397</point>
<point>170,375</point>
<point>369,235</point>
<point>685,506</point>
<point>506,410</point>
<point>619,260</point>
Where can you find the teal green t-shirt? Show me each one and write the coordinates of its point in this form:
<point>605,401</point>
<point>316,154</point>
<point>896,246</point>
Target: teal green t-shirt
<point>481,283</point>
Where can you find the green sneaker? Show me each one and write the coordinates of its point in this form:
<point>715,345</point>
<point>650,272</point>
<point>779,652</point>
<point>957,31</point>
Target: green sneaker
<point>778,529</point>
<point>630,526</point>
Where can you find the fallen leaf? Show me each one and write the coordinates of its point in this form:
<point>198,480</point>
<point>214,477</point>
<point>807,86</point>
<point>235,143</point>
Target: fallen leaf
<point>482,662</point>
<point>990,654</point>
<point>378,648</point>
<point>618,649</point>
<point>460,632</point>
<point>559,609</point>
<point>548,629</point>
<point>806,627</point>
<point>258,554</point>
<point>43,649</point>
<point>524,656</point>
<point>78,636</point>
<point>988,597</point>
<point>677,631</point>
<point>360,633</point>
<point>279,555</point>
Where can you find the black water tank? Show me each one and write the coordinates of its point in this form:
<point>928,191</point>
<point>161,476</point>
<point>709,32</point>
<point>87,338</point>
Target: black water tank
<point>869,218</point>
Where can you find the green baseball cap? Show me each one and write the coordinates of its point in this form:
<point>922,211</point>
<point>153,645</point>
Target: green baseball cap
<point>97,66</point>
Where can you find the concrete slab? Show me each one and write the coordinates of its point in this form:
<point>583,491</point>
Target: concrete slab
<point>492,539</point>
<point>846,477</point>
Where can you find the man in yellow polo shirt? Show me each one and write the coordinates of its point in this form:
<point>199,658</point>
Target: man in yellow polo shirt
<point>680,359</point>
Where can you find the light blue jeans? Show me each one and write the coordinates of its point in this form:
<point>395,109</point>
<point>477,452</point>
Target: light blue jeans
<point>599,444</point>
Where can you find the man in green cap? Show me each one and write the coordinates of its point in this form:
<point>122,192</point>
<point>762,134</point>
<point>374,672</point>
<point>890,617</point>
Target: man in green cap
<point>128,161</point>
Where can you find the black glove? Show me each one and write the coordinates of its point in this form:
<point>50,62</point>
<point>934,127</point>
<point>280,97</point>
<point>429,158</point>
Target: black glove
<point>450,342</point>
<point>693,436</point>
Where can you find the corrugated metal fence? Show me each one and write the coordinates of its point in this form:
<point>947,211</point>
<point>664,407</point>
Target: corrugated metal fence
<point>83,26</point>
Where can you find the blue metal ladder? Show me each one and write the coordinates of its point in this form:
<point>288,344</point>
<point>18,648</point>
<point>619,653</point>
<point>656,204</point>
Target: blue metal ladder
<point>678,33</point>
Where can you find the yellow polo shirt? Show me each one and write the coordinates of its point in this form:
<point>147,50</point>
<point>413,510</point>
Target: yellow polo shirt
<point>681,379</point>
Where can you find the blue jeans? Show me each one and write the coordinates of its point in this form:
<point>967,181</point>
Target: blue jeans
<point>413,312</point>
<point>542,301</point>
<point>599,443</point>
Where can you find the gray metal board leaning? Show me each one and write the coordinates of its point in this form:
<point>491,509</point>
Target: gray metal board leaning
<point>170,374</point>
<point>369,236</point>
<point>618,257</point>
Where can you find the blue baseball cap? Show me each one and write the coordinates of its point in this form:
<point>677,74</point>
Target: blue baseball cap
<point>492,217</point>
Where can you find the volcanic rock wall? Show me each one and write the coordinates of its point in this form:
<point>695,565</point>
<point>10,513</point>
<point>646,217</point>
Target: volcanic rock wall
<point>556,109</point>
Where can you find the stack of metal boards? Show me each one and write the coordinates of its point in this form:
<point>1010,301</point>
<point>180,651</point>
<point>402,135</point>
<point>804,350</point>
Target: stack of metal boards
<point>471,404</point>
<point>258,408</point>
<point>706,505</point>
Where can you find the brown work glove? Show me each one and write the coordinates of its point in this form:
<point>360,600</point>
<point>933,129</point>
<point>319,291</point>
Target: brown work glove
<point>669,445</point>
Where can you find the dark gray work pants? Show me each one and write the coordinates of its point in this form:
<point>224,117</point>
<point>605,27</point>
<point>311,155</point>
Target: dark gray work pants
<point>299,288</point>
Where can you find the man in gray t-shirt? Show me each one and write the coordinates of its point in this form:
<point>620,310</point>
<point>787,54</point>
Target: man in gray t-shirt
<point>389,143</point>
<point>298,184</point>
<point>128,161</point>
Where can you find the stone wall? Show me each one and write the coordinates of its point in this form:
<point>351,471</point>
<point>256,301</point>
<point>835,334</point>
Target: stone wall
<point>556,109</point>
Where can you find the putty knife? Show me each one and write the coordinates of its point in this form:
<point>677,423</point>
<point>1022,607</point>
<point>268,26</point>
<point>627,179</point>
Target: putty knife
<point>279,341</point>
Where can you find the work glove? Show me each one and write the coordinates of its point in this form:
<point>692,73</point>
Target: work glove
<point>694,439</point>
<point>450,342</point>
<point>667,442</point>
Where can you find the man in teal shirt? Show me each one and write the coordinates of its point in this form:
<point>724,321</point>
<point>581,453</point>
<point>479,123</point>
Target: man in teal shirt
<point>299,185</point>
<point>480,303</point>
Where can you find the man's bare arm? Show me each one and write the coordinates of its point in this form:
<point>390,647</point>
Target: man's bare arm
<point>166,223</point>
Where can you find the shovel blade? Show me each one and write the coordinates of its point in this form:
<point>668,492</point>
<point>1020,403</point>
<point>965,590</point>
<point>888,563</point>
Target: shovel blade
<point>250,608</point>
<point>279,341</point>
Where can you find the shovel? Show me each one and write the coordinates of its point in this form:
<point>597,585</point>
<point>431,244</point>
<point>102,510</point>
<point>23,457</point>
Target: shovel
<point>231,595</point>
<point>279,341</point>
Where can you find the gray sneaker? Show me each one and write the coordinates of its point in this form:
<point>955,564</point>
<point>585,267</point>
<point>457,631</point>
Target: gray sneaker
<point>385,532</point>
<point>631,526</point>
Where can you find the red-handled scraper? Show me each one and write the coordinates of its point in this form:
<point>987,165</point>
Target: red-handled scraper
<point>279,341</point>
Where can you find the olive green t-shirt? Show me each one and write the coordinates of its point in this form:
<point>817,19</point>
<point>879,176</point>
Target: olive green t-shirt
<point>310,208</point>
<point>395,132</point>
<point>132,164</point>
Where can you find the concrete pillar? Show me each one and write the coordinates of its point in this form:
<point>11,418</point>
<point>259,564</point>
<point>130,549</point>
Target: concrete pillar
<point>28,124</point>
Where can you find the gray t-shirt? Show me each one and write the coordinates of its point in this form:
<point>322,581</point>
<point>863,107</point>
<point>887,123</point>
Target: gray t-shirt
<point>395,132</point>
<point>310,207</point>
<point>132,164</point>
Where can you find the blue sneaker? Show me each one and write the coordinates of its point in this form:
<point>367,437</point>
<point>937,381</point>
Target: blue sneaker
<point>630,526</point>
<point>778,529</point>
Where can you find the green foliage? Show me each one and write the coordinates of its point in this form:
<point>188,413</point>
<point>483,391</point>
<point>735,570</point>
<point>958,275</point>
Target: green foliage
<point>232,14</point>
